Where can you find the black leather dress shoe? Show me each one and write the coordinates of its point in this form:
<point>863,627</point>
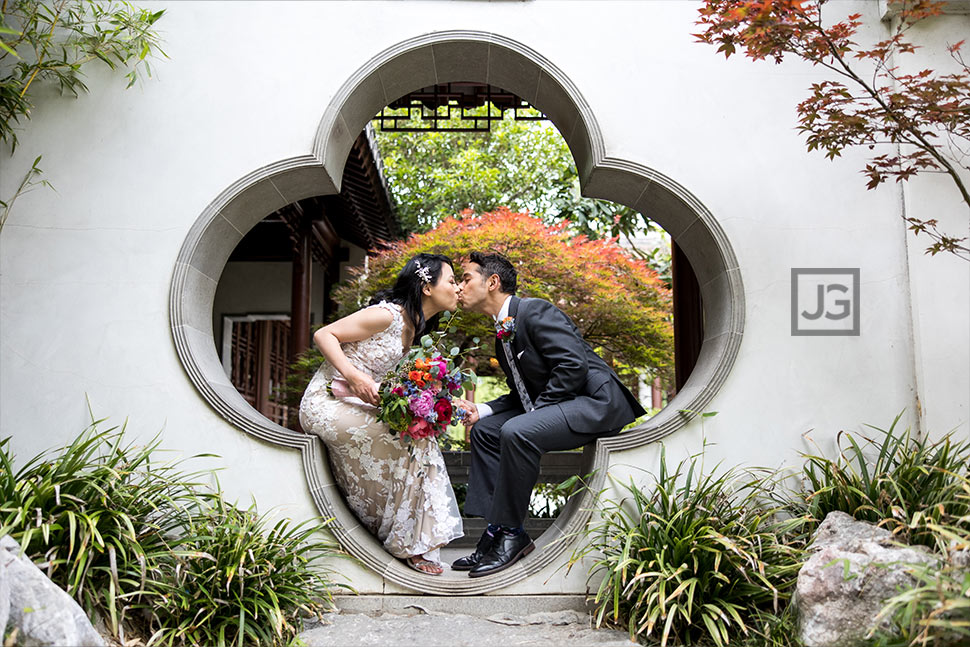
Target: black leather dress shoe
<point>506,550</point>
<point>469,562</point>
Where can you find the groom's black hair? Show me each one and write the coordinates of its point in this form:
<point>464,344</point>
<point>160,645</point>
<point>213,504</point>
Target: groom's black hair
<point>407,290</point>
<point>497,264</point>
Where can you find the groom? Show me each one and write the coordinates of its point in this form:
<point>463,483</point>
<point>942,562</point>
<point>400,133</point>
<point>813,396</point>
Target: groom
<point>562,395</point>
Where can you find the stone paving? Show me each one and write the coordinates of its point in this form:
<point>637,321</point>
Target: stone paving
<point>429,628</point>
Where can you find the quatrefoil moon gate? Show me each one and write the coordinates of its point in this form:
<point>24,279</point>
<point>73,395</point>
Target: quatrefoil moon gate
<point>416,63</point>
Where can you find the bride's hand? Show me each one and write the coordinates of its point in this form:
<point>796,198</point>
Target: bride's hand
<point>364,387</point>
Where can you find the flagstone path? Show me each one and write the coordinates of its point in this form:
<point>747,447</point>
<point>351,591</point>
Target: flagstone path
<point>435,629</point>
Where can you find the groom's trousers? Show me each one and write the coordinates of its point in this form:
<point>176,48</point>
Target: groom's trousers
<point>506,449</point>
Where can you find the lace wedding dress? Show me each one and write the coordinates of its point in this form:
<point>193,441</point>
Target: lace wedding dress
<point>404,498</point>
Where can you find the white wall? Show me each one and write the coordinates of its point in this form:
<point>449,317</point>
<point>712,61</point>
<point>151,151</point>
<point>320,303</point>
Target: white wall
<point>85,270</point>
<point>940,285</point>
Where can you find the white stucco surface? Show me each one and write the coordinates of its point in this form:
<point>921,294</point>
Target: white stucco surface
<point>85,270</point>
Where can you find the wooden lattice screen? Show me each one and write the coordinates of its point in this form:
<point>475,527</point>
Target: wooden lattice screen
<point>258,364</point>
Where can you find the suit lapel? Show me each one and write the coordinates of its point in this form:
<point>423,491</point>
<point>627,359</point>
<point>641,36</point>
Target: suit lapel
<point>499,352</point>
<point>516,343</point>
<point>514,306</point>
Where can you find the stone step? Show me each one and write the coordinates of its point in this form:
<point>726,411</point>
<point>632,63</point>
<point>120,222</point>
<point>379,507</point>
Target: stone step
<point>480,606</point>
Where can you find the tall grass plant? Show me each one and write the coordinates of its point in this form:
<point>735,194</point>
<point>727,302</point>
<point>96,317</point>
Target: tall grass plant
<point>894,479</point>
<point>694,557</point>
<point>159,556</point>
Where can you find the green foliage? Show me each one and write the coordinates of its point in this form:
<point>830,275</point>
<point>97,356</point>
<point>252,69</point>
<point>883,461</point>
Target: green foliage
<point>232,579</point>
<point>618,302</point>
<point>934,612</point>
<point>703,559</point>
<point>53,40</point>
<point>904,483</point>
<point>29,182</point>
<point>937,610</point>
<point>523,165</point>
<point>698,558</point>
<point>94,513</point>
<point>919,490</point>
<point>121,534</point>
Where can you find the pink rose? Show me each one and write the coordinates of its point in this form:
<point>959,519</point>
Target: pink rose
<point>423,404</point>
<point>419,429</point>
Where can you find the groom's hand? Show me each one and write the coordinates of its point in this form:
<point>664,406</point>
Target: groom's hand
<point>471,412</point>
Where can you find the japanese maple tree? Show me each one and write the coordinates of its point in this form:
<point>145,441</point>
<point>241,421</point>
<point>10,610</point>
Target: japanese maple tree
<point>617,301</point>
<point>926,114</point>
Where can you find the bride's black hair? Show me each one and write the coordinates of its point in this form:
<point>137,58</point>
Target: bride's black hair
<point>407,290</point>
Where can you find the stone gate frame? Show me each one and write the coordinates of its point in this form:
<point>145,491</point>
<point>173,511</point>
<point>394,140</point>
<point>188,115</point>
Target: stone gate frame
<point>441,57</point>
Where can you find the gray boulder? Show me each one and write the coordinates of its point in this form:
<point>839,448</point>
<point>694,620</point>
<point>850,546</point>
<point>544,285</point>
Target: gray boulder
<point>42,613</point>
<point>854,568</point>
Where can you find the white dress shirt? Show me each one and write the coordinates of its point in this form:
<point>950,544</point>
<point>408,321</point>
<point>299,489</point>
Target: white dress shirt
<point>503,312</point>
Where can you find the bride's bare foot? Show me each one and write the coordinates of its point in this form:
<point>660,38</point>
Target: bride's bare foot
<point>423,565</point>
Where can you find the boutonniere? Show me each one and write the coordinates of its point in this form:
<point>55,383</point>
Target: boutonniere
<point>505,329</point>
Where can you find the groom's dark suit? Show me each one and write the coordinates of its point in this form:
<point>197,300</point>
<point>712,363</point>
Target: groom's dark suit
<point>577,398</point>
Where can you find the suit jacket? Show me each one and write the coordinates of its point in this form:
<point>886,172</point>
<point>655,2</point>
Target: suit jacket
<point>560,369</point>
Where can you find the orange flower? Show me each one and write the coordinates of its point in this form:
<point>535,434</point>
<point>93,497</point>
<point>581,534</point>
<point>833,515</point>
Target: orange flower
<point>426,377</point>
<point>420,383</point>
<point>421,364</point>
<point>415,376</point>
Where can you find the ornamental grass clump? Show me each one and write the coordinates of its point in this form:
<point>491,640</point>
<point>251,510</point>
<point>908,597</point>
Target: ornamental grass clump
<point>232,579</point>
<point>156,554</point>
<point>693,558</point>
<point>95,515</point>
<point>936,611</point>
<point>898,481</point>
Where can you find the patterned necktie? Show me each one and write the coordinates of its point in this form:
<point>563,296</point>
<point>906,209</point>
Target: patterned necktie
<point>519,384</point>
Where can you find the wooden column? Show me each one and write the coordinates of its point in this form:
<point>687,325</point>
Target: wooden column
<point>688,316</point>
<point>300,293</point>
<point>263,365</point>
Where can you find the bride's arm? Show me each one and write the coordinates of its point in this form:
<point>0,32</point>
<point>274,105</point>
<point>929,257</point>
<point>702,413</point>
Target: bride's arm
<point>356,327</point>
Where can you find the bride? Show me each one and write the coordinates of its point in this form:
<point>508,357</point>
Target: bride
<point>403,497</point>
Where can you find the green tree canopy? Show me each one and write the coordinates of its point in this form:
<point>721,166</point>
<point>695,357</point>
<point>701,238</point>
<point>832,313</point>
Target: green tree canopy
<point>523,165</point>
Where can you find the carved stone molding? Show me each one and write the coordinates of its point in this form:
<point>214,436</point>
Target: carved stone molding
<point>410,65</point>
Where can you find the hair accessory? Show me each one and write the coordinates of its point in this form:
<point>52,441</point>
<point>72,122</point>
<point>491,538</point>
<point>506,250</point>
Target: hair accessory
<point>423,272</point>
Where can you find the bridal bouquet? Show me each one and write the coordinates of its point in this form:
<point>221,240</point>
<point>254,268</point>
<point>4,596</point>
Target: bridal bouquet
<point>416,397</point>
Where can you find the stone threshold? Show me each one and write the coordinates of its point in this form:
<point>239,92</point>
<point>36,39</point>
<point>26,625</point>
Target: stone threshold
<point>481,606</point>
